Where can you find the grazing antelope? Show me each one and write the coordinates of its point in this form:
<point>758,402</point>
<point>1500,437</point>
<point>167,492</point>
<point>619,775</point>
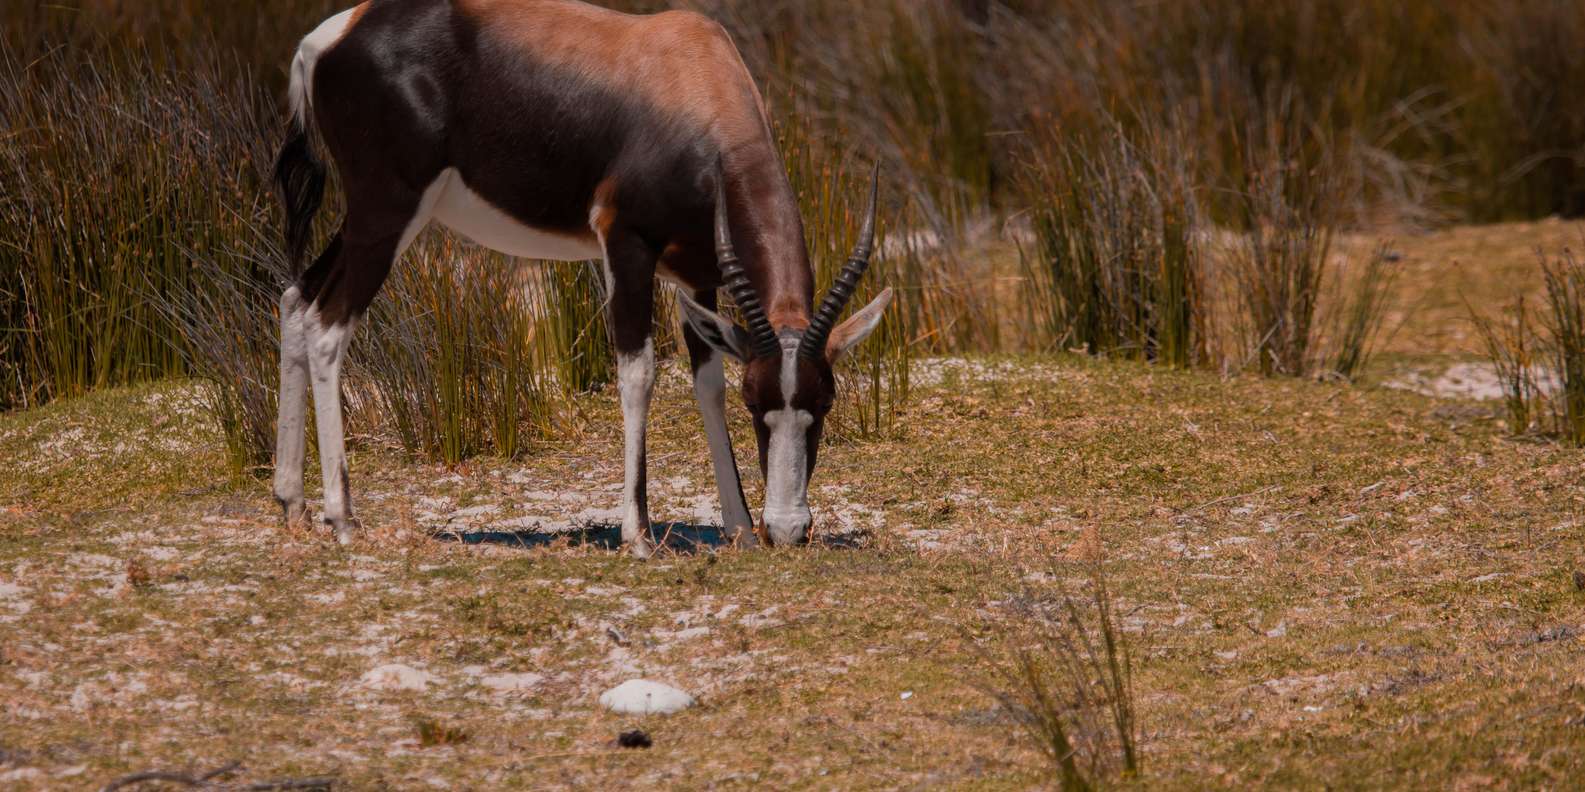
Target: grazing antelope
<point>552,129</point>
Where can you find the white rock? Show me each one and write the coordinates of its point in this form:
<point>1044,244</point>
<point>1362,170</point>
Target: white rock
<point>511,682</point>
<point>396,676</point>
<point>643,697</point>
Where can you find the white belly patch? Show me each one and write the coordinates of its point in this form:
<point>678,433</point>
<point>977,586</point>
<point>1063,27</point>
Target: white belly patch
<point>467,213</point>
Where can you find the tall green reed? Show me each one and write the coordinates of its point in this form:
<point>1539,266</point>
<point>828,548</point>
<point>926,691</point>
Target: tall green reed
<point>453,356</point>
<point>112,169</point>
<point>574,301</point>
<point>873,380</point>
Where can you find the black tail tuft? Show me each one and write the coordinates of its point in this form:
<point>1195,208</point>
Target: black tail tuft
<point>300,180</point>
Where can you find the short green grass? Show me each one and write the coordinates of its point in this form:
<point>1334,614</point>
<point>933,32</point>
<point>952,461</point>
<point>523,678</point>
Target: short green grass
<point>1324,586</point>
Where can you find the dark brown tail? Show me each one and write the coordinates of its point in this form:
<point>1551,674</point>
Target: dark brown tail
<point>300,181</point>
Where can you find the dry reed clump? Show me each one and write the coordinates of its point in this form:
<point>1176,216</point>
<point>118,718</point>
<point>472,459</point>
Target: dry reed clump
<point>873,379</point>
<point>1114,267</point>
<point>225,312</point>
<point>1565,328</point>
<point>1510,344</point>
<point>1069,681</point>
<point>1540,360</point>
<point>1288,212</point>
<point>1128,261</point>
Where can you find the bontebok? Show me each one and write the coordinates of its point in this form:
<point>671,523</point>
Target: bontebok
<point>556,130</point>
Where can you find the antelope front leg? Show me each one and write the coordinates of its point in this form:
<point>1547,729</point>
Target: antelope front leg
<point>709,388</point>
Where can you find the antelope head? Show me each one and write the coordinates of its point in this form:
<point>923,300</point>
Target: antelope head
<point>788,380</point>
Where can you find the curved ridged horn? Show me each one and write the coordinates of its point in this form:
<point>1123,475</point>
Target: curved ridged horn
<point>735,280</point>
<point>847,281</point>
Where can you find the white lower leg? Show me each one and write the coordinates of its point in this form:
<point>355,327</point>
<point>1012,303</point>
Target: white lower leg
<point>326,346</point>
<point>292,407</point>
<point>635,380</point>
<point>709,387</point>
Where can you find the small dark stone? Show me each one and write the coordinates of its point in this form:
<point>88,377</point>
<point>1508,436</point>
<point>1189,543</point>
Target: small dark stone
<point>1579,580</point>
<point>634,739</point>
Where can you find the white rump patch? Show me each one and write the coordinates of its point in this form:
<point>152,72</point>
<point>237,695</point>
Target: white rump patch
<point>314,45</point>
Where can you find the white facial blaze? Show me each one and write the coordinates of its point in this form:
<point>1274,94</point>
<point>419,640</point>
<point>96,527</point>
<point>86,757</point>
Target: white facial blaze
<point>786,461</point>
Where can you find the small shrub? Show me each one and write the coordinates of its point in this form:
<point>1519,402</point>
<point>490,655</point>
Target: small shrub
<point>1071,684</point>
<point>1510,346</point>
<point>433,732</point>
<point>1361,313</point>
<point>1565,326</point>
<point>1542,368</point>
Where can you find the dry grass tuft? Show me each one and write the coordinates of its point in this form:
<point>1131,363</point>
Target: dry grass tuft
<point>1115,268</point>
<point>1510,344</point>
<point>1072,685</point>
<point>1565,325</point>
<point>432,732</point>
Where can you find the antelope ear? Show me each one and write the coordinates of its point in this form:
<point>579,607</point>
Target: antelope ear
<point>858,327</point>
<point>714,329</point>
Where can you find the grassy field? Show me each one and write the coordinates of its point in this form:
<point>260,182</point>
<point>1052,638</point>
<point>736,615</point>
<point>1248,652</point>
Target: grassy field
<point>1322,585</point>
